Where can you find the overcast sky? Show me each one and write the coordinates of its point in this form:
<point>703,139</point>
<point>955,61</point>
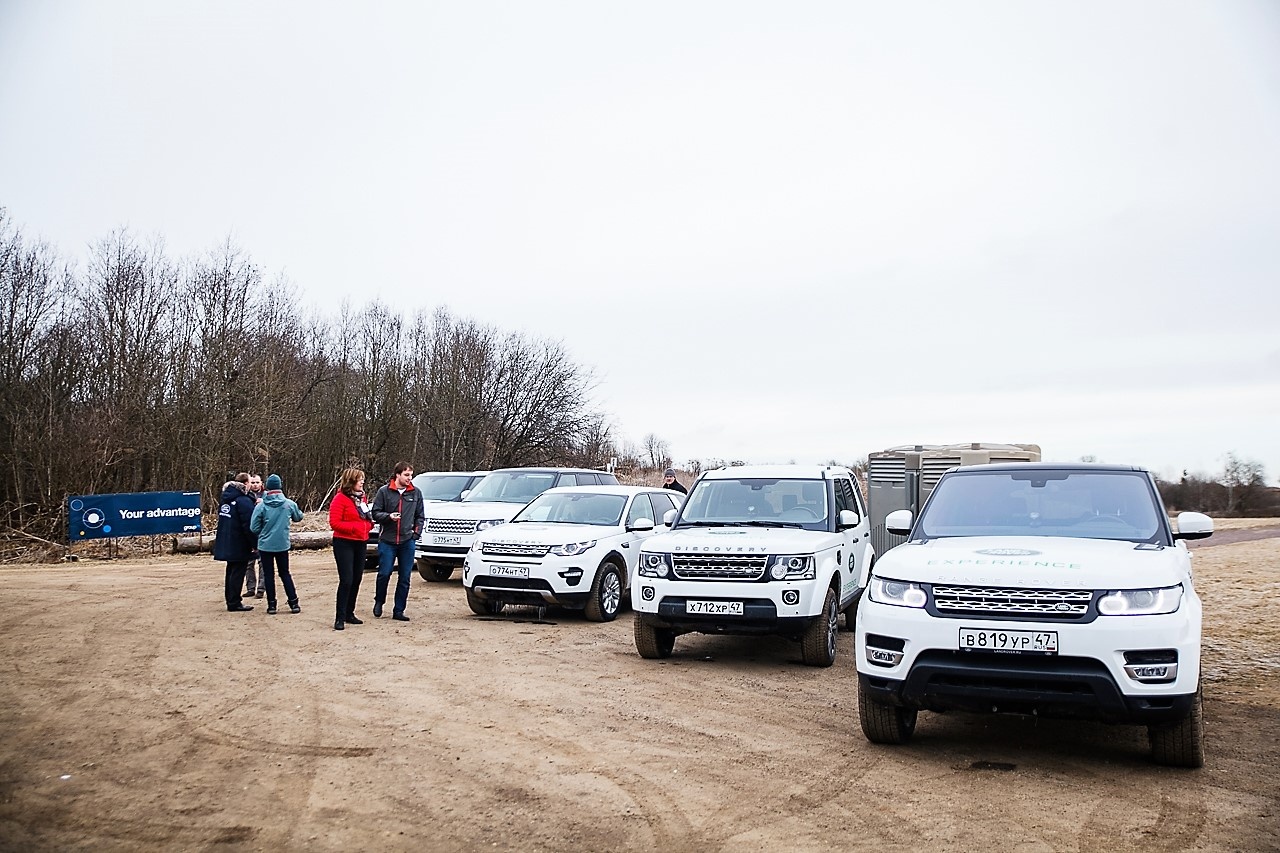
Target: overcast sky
<point>776,231</point>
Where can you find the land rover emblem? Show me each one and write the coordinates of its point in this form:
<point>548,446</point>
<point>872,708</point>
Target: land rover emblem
<point>1007,552</point>
<point>1062,606</point>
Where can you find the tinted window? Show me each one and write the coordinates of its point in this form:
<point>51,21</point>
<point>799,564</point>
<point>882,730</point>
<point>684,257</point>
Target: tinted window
<point>845,498</point>
<point>1088,505</point>
<point>640,508</point>
<point>662,504</point>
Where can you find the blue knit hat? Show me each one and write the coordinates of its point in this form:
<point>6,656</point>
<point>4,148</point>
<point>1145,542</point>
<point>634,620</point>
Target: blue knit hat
<point>274,483</point>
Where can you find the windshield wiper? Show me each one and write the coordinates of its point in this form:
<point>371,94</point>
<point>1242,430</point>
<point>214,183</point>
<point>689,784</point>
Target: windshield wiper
<point>707,524</point>
<point>771,523</point>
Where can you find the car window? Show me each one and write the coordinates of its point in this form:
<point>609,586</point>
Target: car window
<point>577,507</point>
<point>1078,504</point>
<point>513,486</point>
<point>662,504</point>
<point>845,498</point>
<point>640,508</point>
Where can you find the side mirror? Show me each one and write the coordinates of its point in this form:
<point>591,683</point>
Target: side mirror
<point>1194,525</point>
<point>668,517</point>
<point>899,521</point>
<point>847,518</point>
<point>462,496</point>
<point>641,524</point>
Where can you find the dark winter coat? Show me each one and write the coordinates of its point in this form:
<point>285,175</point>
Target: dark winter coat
<point>234,541</point>
<point>412,513</point>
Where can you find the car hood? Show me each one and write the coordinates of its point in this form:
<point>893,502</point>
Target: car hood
<point>742,540</point>
<point>478,511</point>
<point>1047,561</point>
<point>535,533</point>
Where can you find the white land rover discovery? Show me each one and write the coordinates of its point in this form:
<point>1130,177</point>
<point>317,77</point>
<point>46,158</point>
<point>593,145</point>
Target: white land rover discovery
<point>1037,588</point>
<point>777,549</point>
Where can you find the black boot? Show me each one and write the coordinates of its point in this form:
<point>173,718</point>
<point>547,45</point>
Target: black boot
<point>337,625</point>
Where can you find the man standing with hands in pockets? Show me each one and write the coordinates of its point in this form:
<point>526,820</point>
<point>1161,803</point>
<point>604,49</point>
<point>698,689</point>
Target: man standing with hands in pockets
<point>397,507</point>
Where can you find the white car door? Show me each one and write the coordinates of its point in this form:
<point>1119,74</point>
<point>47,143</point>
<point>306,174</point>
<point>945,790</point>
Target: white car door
<point>857,539</point>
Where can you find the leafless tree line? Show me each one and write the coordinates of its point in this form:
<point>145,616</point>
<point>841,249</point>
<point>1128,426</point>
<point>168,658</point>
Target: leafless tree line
<point>142,372</point>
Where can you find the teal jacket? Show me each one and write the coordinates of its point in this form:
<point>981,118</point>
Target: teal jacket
<point>271,519</point>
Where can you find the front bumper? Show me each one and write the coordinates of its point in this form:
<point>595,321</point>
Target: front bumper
<point>562,583</point>
<point>768,607</point>
<point>913,660</point>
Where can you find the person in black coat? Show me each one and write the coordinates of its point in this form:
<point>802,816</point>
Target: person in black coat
<point>235,542</point>
<point>669,481</point>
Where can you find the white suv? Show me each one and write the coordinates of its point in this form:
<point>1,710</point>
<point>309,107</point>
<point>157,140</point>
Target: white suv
<point>451,527</point>
<point>770,549</point>
<point>574,547</point>
<point>1037,588</point>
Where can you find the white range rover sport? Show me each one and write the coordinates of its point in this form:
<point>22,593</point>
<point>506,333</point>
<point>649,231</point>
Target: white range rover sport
<point>1037,588</point>
<point>776,549</point>
<point>573,547</point>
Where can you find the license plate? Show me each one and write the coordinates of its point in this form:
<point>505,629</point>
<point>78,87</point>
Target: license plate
<point>509,571</point>
<point>446,540</point>
<point>1031,642</point>
<point>714,608</point>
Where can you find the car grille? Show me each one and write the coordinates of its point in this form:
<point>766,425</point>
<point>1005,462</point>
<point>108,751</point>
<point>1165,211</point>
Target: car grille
<point>1012,601</point>
<point>511,549</point>
<point>731,567</point>
<point>450,525</point>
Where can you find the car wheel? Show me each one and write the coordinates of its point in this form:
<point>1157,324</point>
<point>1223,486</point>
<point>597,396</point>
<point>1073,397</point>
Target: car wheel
<point>818,646</point>
<point>606,594</point>
<point>433,571</point>
<point>483,606</point>
<point>1180,744</point>
<point>651,642</point>
<point>885,723</point>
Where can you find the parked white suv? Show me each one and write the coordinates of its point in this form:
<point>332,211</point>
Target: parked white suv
<point>451,527</point>
<point>573,547</point>
<point>772,549</point>
<point>1037,588</point>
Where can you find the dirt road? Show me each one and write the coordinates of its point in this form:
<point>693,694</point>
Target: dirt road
<point>136,714</point>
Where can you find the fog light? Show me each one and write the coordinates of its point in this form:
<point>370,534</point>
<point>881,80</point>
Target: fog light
<point>646,593</point>
<point>1151,672</point>
<point>883,657</point>
<point>791,597</point>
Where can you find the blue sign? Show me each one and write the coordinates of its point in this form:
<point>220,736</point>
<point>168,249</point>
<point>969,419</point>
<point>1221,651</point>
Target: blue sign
<point>137,514</point>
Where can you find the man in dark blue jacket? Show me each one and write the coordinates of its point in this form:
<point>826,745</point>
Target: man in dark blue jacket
<point>235,542</point>
<point>398,508</point>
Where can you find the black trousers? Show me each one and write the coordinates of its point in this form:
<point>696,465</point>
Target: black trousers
<point>349,555</point>
<point>235,582</point>
<point>271,562</point>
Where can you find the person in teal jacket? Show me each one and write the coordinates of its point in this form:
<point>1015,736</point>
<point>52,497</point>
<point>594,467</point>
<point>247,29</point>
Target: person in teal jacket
<point>270,520</point>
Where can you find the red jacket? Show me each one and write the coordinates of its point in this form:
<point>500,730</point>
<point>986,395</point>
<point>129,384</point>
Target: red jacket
<point>345,519</point>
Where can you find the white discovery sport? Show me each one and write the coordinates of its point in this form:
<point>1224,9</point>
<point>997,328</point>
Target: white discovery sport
<point>777,549</point>
<point>451,527</point>
<point>1040,588</point>
<point>575,547</point>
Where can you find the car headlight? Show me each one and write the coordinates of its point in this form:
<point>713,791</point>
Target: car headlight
<point>897,593</point>
<point>1140,602</point>
<point>792,567</point>
<point>573,548</point>
<point>654,565</point>
<point>489,522</point>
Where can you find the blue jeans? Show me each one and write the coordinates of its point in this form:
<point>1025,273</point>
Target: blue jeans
<point>388,555</point>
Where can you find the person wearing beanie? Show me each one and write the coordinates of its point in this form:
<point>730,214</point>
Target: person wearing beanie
<point>669,481</point>
<point>271,519</point>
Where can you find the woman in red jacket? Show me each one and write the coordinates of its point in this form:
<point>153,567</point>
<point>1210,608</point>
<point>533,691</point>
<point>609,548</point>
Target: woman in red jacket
<point>351,523</point>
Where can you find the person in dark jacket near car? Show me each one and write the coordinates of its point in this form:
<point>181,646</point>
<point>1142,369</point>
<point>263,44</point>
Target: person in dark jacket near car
<point>669,481</point>
<point>235,542</point>
<point>270,521</point>
<point>398,508</point>
<point>349,518</point>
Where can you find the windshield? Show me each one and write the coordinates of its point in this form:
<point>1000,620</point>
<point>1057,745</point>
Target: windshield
<point>1084,505</point>
<point>574,508</point>
<point>756,500</point>
<point>513,487</point>
<point>441,487</point>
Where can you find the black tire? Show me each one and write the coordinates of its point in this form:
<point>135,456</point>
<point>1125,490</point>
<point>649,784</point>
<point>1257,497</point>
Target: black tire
<point>371,563</point>
<point>653,643</point>
<point>818,645</point>
<point>483,606</point>
<point>433,571</point>
<point>1180,744</point>
<point>884,723</point>
<point>606,594</point>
